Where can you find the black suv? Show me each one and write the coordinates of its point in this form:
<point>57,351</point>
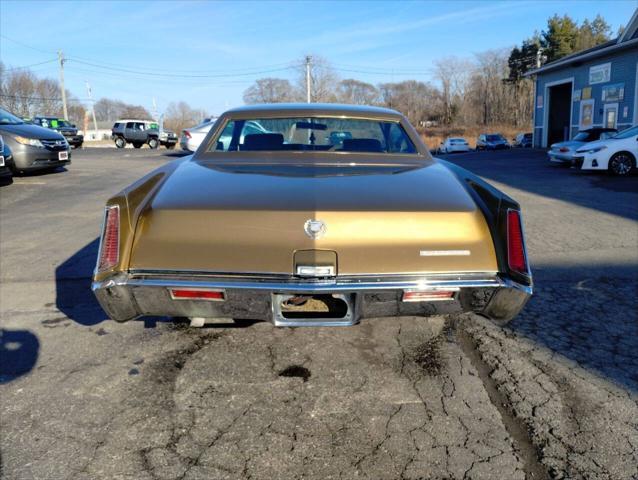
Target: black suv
<point>137,132</point>
<point>68,130</point>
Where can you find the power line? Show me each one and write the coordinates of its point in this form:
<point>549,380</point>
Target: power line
<point>29,66</point>
<point>48,52</point>
<point>103,64</point>
<point>39,99</point>
<point>180,75</point>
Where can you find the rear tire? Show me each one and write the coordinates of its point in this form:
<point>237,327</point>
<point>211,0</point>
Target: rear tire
<point>120,142</point>
<point>153,143</point>
<point>621,164</point>
<point>170,147</point>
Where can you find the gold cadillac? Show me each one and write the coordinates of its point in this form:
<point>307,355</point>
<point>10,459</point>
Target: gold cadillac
<point>309,214</point>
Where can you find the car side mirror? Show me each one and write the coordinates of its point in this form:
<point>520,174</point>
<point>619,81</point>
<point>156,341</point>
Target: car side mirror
<point>220,146</point>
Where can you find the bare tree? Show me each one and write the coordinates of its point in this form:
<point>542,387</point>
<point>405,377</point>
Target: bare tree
<point>416,100</point>
<point>357,92</point>
<point>180,115</point>
<point>270,90</point>
<point>453,75</point>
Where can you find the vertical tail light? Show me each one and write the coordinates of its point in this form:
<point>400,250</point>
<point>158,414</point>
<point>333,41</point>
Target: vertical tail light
<point>187,134</point>
<point>110,245</point>
<point>515,248</point>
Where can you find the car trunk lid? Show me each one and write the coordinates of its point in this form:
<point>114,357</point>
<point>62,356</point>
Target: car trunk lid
<point>252,219</point>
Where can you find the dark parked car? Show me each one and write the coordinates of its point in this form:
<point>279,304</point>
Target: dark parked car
<point>491,141</point>
<point>523,140</point>
<point>68,130</point>
<point>5,162</point>
<point>33,147</point>
<point>137,132</point>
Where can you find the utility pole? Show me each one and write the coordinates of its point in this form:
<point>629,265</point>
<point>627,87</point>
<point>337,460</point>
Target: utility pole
<point>62,91</point>
<point>88,92</point>
<point>308,59</point>
<point>539,57</point>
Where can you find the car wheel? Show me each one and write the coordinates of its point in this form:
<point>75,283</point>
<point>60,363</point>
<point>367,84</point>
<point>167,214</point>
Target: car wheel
<point>621,163</point>
<point>170,146</point>
<point>137,145</point>
<point>120,142</point>
<point>153,143</point>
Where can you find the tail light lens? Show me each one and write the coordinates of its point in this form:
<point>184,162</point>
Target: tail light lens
<point>428,295</point>
<point>110,245</point>
<point>515,248</point>
<point>196,294</point>
<point>187,134</point>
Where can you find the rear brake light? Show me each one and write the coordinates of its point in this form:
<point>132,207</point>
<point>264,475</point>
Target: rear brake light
<point>187,134</point>
<point>564,149</point>
<point>515,248</point>
<point>196,294</point>
<point>110,244</point>
<point>428,295</point>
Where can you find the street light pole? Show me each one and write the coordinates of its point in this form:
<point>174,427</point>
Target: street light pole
<point>88,92</point>
<point>62,90</point>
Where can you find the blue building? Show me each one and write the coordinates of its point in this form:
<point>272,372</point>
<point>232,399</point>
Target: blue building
<point>597,87</point>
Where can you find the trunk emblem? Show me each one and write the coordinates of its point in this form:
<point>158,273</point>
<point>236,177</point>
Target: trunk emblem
<point>315,228</point>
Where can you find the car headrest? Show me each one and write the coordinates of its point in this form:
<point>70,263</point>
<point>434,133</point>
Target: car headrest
<point>361,145</point>
<point>263,141</point>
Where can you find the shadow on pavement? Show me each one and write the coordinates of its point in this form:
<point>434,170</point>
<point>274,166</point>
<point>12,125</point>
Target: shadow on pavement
<point>18,353</point>
<point>529,170</point>
<point>589,315</point>
<point>74,297</point>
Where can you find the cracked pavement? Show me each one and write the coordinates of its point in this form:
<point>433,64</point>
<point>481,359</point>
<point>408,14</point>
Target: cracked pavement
<point>554,395</point>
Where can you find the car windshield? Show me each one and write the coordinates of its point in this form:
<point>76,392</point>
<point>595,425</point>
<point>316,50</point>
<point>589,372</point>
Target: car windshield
<point>630,132</point>
<point>457,140</point>
<point>7,119</point>
<point>57,122</point>
<point>314,134</point>
<point>494,138</point>
<point>583,136</point>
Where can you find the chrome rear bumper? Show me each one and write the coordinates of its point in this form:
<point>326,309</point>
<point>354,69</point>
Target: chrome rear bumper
<point>126,296</point>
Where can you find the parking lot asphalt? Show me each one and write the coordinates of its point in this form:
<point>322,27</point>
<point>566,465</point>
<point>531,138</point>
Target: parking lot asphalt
<point>553,395</point>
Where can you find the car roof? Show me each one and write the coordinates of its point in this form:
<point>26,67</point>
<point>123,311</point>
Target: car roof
<point>599,129</point>
<point>134,120</point>
<point>314,109</point>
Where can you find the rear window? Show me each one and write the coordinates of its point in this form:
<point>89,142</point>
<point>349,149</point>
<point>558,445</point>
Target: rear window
<point>494,138</point>
<point>314,134</point>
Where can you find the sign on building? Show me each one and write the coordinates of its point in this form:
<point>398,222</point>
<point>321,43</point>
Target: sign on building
<point>614,93</point>
<point>586,114</point>
<point>600,73</point>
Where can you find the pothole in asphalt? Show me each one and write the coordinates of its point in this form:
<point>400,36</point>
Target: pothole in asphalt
<point>428,356</point>
<point>296,371</point>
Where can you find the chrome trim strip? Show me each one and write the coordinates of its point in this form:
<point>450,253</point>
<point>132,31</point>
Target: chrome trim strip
<point>444,253</point>
<point>283,277</point>
<point>312,286</point>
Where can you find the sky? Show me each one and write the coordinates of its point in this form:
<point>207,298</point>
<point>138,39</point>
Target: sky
<point>208,52</point>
